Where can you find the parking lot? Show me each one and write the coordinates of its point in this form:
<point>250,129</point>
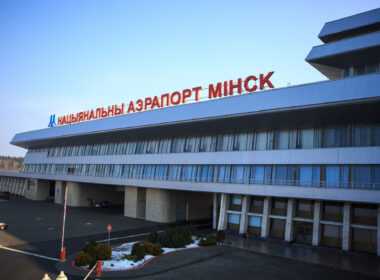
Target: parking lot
<point>35,227</point>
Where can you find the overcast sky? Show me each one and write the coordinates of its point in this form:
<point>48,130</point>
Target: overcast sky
<point>62,57</point>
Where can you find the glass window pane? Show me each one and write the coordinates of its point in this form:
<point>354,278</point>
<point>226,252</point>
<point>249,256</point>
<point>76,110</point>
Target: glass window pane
<point>307,138</point>
<point>233,218</point>
<point>332,176</point>
<point>261,141</point>
<point>376,135</point>
<point>372,68</point>
<point>344,176</point>
<point>240,142</point>
<point>376,177</point>
<point>355,140</point>
<point>254,221</point>
<point>237,174</point>
<point>282,139</point>
<point>317,138</point>
<point>331,137</point>
<point>257,174</point>
<point>361,176</point>
<point>279,175</point>
<point>236,199</point>
<point>366,135</point>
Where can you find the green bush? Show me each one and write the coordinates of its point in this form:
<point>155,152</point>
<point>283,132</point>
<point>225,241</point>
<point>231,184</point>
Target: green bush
<point>209,240</point>
<point>186,234</point>
<point>90,248</point>
<point>220,236</point>
<point>173,231</point>
<point>128,257</point>
<point>139,253</point>
<point>103,252</point>
<point>148,248</point>
<point>157,250</point>
<point>82,259</point>
<point>165,239</point>
<point>134,248</point>
<point>192,229</point>
<point>152,238</point>
<point>178,241</point>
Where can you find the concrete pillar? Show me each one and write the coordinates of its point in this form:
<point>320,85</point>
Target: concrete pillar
<point>214,210</point>
<point>160,206</point>
<point>346,233</point>
<point>244,210</point>
<point>39,190</point>
<point>289,220</point>
<point>222,225</point>
<point>378,229</point>
<point>317,223</point>
<point>130,202</point>
<point>266,220</point>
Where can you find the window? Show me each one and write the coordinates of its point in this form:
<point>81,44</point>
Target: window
<point>332,176</point>
<point>165,146</point>
<point>261,141</point>
<point>127,171</point>
<point>360,70</point>
<point>241,142</point>
<point>152,147</point>
<point>237,174</point>
<point>361,176</point>
<point>331,137</point>
<point>191,144</point>
<point>376,177</point>
<point>307,138</point>
<point>282,139</point>
<point>131,147</point>
<point>233,218</point>
<point>141,147</point>
<point>346,72</point>
<point>205,173</point>
<point>279,175</point>
<point>189,172</point>
<point>372,68</point>
<point>254,221</point>
<point>177,145</point>
<point>236,199</point>
<point>257,174</point>
<point>223,143</point>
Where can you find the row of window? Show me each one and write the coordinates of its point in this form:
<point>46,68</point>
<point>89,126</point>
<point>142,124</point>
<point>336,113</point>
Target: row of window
<point>344,176</point>
<point>347,136</point>
<point>362,69</point>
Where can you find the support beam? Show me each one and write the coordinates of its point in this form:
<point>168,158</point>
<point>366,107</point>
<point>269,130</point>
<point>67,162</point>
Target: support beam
<point>317,223</point>
<point>222,225</point>
<point>346,234</point>
<point>214,210</point>
<point>243,217</point>
<point>266,213</point>
<point>289,220</point>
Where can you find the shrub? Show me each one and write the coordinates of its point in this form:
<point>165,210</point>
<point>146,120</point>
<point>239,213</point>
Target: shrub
<point>157,250</point>
<point>186,234</point>
<point>128,257</point>
<point>173,231</point>
<point>220,236</point>
<point>165,240</point>
<point>90,248</point>
<point>152,238</point>
<point>209,240</point>
<point>148,248</point>
<point>134,248</point>
<point>139,253</point>
<point>178,241</point>
<point>82,259</point>
<point>103,251</point>
<point>192,229</point>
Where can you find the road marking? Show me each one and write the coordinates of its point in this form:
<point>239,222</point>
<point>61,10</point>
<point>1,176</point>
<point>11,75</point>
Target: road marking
<point>141,234</point>
<point>27,253</point>
<point>129,236</point>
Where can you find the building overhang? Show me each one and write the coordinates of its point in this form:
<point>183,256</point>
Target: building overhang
<point>354,99</point>
<point>330,59</point>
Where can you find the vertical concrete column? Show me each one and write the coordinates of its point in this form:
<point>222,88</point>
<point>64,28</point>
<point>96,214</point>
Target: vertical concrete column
<point>265,221</point>
<point>346,234</point>
<point>317,223</point>
<point>214,210</point>
<point>289,220</point>
<point>130,202</point>
<point>160,205</point>
<point>378,229</point>
<point>222,225</point>
<point>244,210</point>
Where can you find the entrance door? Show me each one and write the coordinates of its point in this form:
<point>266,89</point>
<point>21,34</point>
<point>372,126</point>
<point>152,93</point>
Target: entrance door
<point>181,211</point>
<point>52,188</point>
<point>303,232</point>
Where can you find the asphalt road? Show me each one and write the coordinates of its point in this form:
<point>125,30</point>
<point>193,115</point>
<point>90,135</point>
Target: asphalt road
<point>35,227</point>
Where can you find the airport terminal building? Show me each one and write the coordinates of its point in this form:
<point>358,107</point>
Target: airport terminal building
<point>300,163</point>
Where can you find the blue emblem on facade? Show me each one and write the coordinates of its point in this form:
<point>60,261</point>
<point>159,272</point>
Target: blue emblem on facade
<point>52,121</point>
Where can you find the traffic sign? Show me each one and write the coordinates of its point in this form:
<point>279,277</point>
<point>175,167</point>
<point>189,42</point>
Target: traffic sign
<point>109,228</point>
